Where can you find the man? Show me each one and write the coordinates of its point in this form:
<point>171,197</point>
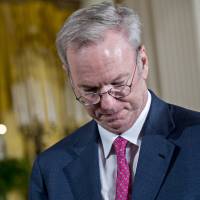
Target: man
<point>137,147</point>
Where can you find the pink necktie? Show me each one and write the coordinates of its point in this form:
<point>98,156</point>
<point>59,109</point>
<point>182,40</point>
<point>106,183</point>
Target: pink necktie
<point>123,172</point>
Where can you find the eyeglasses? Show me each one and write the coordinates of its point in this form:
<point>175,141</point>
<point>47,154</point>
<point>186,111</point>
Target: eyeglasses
<point>117,92</point>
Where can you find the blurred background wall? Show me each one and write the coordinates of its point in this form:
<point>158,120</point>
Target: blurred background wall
<point>37,106</point>
<point>171,33</point>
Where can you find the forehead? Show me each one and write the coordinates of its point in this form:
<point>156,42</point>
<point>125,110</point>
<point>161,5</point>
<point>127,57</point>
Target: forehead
<point>102,62</point>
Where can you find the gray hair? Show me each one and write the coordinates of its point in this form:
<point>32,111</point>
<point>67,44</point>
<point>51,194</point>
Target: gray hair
<point>87,26</point>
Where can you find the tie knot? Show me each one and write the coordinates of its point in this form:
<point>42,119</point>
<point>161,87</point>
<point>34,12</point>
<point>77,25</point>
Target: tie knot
<point>120,145</point>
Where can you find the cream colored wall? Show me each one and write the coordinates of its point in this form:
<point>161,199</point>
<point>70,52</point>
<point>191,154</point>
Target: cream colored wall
<point>196,16</point>
<point>171,33</point>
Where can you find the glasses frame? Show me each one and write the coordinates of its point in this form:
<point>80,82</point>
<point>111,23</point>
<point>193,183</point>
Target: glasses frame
<point>108,91</point>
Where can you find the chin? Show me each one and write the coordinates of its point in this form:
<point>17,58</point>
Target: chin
<point>117,131</point>
<point>117,127</point>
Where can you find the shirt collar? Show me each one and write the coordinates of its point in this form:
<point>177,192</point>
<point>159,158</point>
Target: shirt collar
<point>108,137</point>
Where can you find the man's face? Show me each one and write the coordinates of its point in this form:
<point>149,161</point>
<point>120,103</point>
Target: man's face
<point>97,68</point>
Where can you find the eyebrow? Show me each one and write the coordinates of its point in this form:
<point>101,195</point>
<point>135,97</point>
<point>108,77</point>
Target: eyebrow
<point>86,86</point>
<point>120,76</point>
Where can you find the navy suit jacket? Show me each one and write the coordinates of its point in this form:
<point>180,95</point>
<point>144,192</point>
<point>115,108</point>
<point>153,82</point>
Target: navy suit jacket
<point>168,166</point>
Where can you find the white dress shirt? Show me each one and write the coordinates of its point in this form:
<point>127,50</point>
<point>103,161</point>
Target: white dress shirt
<point>107,157</point>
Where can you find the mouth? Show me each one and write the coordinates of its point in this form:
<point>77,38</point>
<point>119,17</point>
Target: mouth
<point>111,117</point>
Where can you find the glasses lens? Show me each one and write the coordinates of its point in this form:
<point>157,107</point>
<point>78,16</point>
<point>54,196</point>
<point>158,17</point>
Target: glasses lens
<point>94,98</point>
<point>120,92</point>
<point>89,99</point>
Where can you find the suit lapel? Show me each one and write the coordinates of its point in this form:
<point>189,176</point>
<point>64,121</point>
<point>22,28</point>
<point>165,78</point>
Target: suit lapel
<point>156,153</point>
<point>154,161</point>
<point>83,171</point>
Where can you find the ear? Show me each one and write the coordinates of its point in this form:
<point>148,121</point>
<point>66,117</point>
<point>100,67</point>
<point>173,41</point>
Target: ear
<point>143,60</point>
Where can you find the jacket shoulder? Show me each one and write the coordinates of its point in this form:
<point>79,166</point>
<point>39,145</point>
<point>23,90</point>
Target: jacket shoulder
<point>63,150</point>
<point>187,123</point>
<point>184,117</point>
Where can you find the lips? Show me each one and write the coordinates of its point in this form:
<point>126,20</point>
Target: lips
<point>111,117</point>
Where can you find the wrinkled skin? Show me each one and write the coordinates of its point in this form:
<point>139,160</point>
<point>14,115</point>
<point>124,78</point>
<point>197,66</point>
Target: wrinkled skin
<point>111,61</point>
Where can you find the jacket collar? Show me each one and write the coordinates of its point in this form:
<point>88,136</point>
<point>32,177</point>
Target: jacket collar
<point>156,151</point>
<point>83,170</point>
<point>159,120</point>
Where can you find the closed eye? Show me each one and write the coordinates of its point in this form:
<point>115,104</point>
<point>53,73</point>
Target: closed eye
<point>118,83</point>
<point>120,80</point>
<point>90,90</point>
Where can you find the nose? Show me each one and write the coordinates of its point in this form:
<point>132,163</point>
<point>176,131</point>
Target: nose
<point>107,103</point>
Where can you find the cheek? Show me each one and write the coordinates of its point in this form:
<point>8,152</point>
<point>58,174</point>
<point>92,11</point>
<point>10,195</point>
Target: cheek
<point>91,111</point>
<point>132,102</point>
